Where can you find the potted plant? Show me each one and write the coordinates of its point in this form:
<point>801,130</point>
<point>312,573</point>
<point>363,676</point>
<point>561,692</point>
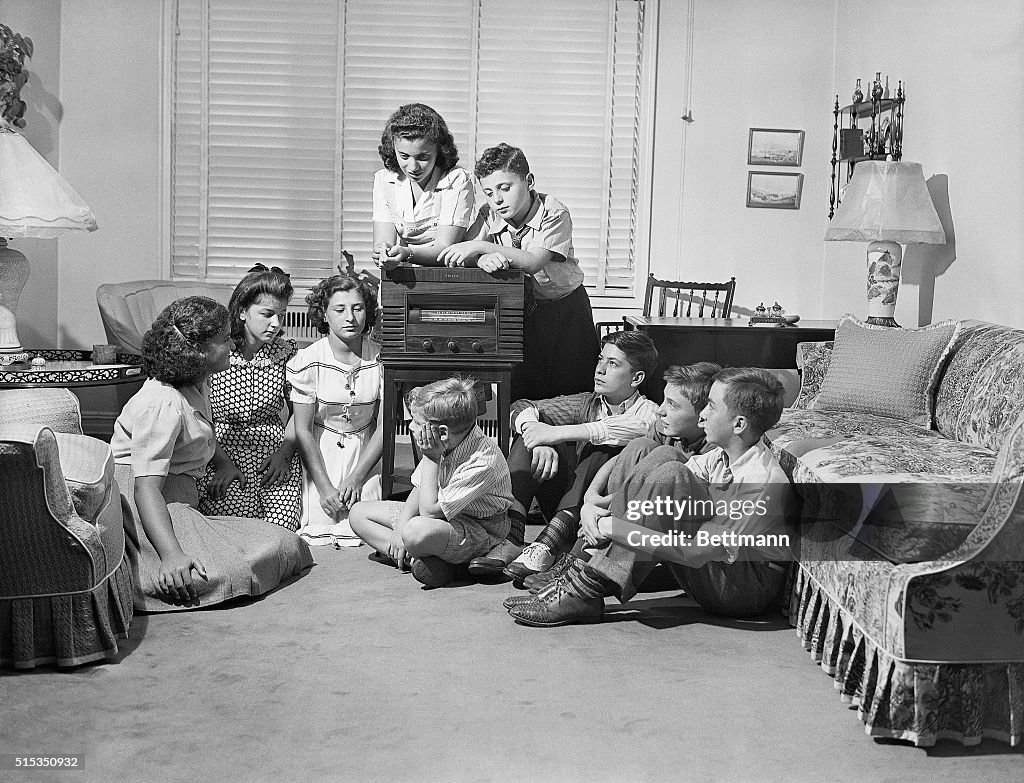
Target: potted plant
<point>14,48</point>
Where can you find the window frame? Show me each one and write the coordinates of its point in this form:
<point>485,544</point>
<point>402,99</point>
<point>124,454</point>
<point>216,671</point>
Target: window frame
<point>621,300</point>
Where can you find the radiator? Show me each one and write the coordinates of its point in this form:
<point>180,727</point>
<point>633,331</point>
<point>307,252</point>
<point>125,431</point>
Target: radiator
<point>298,328</point>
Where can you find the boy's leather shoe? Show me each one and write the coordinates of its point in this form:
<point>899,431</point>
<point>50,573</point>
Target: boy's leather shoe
<point>536,582</point>
<point>432,571</point>
<point>558,605</point>
<point>534,559</point>
<point>522,598</point>
<point>494,562</point>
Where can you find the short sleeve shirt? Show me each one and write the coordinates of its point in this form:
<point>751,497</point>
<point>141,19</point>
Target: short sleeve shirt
<point>449,203</point>
<point>549,227</point>
<point>165,430</point>
<point>473,479</point>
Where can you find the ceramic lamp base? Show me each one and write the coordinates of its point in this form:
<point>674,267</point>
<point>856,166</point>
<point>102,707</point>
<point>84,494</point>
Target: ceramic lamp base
<point>885,260</point>
<point>880,321</point>
<point>13,276</point>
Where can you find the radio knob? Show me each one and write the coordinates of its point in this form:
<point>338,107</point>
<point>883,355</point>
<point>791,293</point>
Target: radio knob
<point>428,346</point>
<point>453,346</point>
<point>477,347</point>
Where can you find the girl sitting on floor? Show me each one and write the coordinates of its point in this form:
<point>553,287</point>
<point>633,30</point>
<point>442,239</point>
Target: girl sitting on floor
<point>162,442</point>
<point>336,386</point>
<point>248,400</point>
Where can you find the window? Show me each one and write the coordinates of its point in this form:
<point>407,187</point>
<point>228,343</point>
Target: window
<point>277,110</point>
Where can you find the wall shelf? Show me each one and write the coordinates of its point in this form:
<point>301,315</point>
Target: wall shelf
<point>871,129</point>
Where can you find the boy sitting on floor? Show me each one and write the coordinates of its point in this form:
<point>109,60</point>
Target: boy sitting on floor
<point>719,520</point>
<point>458,507</point>
<point>565,440</point>
<point>677,427</point>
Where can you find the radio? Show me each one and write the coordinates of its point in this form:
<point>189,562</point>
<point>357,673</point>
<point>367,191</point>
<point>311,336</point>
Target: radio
<point>457,313</point>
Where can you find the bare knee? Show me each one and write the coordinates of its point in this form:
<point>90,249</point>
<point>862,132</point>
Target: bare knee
<point>358,517</point>
<point>414,535</point>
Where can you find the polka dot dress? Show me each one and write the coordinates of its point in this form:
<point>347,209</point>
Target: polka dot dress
<point>247,399</point>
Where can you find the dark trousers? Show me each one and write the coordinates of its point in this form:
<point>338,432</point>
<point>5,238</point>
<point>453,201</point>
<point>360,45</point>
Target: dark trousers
<point>566,488</point>
<point>740,589</point>
<point>560,349</point>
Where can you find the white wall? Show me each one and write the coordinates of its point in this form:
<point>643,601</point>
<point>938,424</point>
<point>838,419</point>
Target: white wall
<point>40,21</point>
<point>780,64</point>
<point>963,67</point>
<point>110,145</point>
<point>756,64</point>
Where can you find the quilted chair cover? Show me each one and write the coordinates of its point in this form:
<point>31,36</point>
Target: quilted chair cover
<point>928,640</point>
<point>129,309</point>
<point>65,583</point>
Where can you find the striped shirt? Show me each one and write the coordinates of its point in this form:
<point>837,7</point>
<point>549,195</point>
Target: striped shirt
<point>607,425</point>
<point>472,479</point>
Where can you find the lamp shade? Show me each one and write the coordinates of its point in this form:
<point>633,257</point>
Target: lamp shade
<point>887,200</point>
<point>35,200</point>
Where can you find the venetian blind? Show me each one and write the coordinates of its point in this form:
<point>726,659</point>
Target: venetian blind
<point>278,108</point>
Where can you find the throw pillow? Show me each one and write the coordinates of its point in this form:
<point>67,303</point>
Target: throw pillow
<point>886,371</point>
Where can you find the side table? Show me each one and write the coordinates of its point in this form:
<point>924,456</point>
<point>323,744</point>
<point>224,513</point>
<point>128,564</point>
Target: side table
<point>68,369</point>
<point>416,372</point>
<point>730,342</point>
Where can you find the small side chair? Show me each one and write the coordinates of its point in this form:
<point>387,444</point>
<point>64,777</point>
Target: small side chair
<point>677,299</point>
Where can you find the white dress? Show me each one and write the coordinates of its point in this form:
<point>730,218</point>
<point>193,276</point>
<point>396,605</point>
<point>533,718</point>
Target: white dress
<point>347,400</point>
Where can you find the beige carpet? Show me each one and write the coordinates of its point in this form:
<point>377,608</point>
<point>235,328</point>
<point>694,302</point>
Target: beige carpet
<point>355,673</point>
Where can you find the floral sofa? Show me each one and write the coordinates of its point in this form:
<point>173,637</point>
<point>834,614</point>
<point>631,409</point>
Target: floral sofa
<point>910,585</point>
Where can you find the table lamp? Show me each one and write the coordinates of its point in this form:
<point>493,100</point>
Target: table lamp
<point>888,205</point>
<point>35,201</point>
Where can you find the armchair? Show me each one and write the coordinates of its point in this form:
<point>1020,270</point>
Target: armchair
<point>65,583</point>
<point>129,309</point>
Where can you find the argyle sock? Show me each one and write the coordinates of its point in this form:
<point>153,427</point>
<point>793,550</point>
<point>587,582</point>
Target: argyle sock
<point>560,533</point>
<point>587,583</point>
<point>517,527</point>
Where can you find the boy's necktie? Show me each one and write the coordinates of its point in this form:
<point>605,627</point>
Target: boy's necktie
<point>529,300</point>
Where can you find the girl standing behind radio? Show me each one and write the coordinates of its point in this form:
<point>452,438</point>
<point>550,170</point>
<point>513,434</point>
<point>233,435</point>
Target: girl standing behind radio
<point>422,201</point>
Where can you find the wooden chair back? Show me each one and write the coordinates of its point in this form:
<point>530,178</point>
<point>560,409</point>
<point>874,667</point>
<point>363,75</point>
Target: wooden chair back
<point>677,299</point>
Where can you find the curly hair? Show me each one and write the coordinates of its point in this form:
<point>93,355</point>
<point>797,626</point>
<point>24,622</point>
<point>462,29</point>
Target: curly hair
<point>504,157</point>
<point>450,401</point>
<point>172,349</point>
<point>258,281</point>
<point>417,121</point>
<point>320,296</point>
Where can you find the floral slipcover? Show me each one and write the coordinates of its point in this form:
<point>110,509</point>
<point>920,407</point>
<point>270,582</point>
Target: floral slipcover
<point>920,622</point>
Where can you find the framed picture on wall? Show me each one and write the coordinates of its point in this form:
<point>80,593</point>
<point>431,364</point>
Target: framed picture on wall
<point>775,147</point>
<point>774,190</point>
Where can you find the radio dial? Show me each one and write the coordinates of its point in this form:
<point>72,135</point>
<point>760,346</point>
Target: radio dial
<point>428,346</point>
<point>453,346</point>
<point>477,347</point>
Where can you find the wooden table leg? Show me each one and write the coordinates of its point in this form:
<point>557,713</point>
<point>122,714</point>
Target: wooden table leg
<point>387,471</point>
<point>504,408</point>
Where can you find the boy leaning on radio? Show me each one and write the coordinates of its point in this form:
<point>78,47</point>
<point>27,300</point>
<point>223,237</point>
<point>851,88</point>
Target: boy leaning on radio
<point>719,520</point>
<point>520,228</point>
<point>565,440</point>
